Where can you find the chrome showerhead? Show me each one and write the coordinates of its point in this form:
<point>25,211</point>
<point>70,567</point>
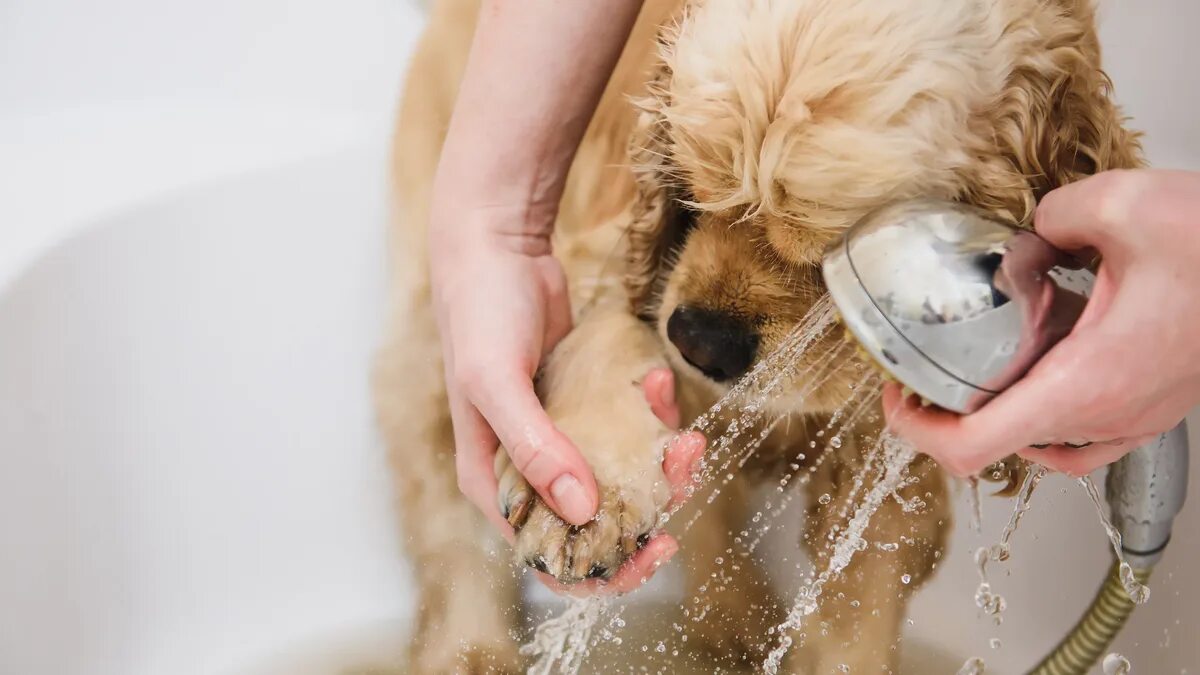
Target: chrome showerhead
<point>952,302</point>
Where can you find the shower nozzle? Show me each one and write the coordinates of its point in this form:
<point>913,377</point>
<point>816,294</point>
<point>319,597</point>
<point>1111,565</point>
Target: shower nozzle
<point>954,303</point>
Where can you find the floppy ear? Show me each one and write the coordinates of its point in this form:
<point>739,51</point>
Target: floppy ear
<point>659,222</point>
<point>1056,122</point>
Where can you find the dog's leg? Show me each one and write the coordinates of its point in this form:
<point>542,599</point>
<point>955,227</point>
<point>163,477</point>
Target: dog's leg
<point>468,597</point>
<point>591,388</point>
<point>860,615</point>
<point>730,605</point>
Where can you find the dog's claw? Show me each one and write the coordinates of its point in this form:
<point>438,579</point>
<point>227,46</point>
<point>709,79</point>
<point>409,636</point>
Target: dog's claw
<point>594,550</point>
<point>514,495</point>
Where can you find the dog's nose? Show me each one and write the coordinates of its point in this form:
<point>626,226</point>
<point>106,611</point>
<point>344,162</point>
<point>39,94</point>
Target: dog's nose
<point>719,345</point>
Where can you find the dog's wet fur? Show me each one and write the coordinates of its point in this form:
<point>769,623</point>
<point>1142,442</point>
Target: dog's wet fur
<point>736,139</point>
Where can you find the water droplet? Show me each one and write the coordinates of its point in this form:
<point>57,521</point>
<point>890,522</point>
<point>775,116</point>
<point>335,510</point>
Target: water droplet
<point>836,441</point>
<point>906,579</point>
<point>995,643</point>
<point>1115,664</point>
<point>825,498</point>
<point>973,666</point>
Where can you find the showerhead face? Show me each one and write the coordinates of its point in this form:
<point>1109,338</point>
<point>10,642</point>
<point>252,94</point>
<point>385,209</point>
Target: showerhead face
<point>952,302</point>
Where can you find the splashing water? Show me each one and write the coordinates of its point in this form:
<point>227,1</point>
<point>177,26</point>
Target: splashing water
<point>1024,495</point>
<point>1138,592</point>
<point>564,640</point>
<point>988,601</point>
<point>976,505</point>
<point>992,604</point>
<point>897,455</point>
<point>973,666</point>
<point>1115,664</point>
<point>869,384</point>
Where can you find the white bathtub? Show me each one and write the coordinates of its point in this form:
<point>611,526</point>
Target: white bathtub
<point>191,283</point>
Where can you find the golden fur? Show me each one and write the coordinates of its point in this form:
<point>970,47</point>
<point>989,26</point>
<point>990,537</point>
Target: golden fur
<point>759,129</point>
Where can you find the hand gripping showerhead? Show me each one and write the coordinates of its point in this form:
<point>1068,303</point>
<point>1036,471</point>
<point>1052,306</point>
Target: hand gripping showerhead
<point>957,306</point>
<point>950,301</point>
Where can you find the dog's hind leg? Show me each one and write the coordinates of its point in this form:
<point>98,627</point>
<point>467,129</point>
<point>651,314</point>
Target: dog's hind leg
<point>859,618</point>
<point>468,606</point>
<point>468,600</point>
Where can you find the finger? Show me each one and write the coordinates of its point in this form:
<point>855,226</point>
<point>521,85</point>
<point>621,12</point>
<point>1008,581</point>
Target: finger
<point>1028,412</point>
<point>642,566</point>
<point>474,447</point>
<point>934,432</point>
<point>544,456</point>
<point>1077,462</point>
<point>659,389</point>
<point>680,464</point>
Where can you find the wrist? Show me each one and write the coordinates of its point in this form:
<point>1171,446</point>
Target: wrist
<point>465,229</point>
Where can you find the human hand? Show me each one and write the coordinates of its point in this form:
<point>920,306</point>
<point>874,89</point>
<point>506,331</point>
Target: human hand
<point>1130,368</point>
<point>501,303</point>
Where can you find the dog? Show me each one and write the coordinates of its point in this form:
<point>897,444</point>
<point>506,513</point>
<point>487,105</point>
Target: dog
<point>736,140</point>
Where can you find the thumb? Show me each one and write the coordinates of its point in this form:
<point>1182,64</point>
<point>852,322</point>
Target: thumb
<point>1091,213</point>
<point>545,457</point>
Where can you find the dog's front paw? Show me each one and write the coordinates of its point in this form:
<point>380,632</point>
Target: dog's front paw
<point>594,550</point>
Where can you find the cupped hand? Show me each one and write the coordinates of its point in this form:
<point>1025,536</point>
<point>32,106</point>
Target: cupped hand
<point>1130,368</point>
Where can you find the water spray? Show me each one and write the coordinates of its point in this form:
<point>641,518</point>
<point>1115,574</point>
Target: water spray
<point>957,306</point>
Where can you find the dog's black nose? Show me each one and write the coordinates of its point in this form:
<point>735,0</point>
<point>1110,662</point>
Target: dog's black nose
<point>719,345</point>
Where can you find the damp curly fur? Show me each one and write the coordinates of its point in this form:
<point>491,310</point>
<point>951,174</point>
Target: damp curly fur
<point>736,139</point>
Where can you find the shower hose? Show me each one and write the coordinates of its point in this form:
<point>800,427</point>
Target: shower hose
<point>1095,631</point>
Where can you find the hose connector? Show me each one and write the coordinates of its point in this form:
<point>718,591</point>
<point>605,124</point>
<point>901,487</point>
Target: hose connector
<point>1146,490</point>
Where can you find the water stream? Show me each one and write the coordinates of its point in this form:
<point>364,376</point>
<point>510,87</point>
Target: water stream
<point>1137,591</point>
<point>892,476</point>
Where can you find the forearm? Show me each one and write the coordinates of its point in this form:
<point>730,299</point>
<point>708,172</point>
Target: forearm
<point>536,71</point>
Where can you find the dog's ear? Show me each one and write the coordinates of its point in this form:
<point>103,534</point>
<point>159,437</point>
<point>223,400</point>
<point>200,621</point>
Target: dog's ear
<point>1056,122</point>
<point>659,220</point>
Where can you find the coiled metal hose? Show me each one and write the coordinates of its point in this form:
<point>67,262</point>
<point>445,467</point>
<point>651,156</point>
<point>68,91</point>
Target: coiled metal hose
<point>1091,637</point>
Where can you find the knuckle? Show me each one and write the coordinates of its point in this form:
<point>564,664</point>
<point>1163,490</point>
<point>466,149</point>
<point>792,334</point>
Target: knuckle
<point>527,454</point>
<point>1119,194</point>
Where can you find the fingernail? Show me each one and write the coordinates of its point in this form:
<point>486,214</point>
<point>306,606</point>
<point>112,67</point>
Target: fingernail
<point>573,503</point>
